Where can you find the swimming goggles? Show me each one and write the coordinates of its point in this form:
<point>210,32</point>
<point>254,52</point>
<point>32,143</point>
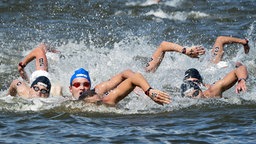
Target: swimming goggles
<point>78,84</point>
<point>43,91</point>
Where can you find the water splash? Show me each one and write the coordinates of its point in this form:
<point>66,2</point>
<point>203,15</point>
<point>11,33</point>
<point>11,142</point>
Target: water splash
<point>132,52</point>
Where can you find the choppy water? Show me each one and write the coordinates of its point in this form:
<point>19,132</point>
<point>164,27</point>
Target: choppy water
<point>108,36</point>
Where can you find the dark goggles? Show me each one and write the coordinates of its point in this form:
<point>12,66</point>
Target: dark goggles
<point>43,91</point>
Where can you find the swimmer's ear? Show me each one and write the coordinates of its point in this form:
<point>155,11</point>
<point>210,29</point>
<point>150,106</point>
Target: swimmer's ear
<point>86,94</point>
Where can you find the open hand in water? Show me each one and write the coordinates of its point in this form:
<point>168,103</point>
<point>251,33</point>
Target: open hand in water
<point>195,51</point>
<point>159,96</point>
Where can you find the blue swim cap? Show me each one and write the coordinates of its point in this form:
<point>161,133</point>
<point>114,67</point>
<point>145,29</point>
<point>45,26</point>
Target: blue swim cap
<point>80,73</point>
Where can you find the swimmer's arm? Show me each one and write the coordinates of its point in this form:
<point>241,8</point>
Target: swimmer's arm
<point>56,90</point>
<point>242,75</point>
<point>157,96</point>
<point>218,47</point>
<point>39,53</point>
<point>106,86</point>
<point>158,55</point>
<point>230,80</point>
<point>125,87</point>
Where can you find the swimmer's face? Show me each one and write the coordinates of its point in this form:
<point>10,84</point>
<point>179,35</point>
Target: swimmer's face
<point>39,91</point>
<point>79,85</point>
<point>193,90</point>
<point>194,94</point>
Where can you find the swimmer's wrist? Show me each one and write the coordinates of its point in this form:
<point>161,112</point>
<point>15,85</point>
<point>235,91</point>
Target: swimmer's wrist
<point>240,79</point>
<point>147,91</point>
<point>246,42</point>
<point>22,65</point>
<point>183,50</point>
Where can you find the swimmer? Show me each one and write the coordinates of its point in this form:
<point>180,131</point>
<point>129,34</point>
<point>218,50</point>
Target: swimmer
<point>194,51</point>
<point>192,82</point>
<point>114,90</point>
<point>39,84</point>
<point>193,85</point>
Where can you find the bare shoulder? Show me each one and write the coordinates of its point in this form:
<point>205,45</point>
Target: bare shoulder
<point>214,90</point>
<point>56,90</point>
<point>22,88</point>
<point>18,83</point>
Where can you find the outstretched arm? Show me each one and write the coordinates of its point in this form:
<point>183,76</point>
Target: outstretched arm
<point>126,85</point>
<point>158,55</point>
<point>39,53</point>
<point>238,75</point>
<point>218,47</point>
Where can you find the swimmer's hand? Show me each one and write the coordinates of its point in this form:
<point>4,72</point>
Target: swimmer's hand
<point>246,46</point>
<point>241,86</point>
<point>22,72</point>
<point>86,94</point>
<point>159,97</point>
<point>195,51</point>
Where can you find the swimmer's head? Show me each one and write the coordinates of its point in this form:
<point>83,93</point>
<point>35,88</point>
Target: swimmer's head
<point>190,89</point>
<point>40,87</point>
<point>42,80</point>
<point>80,73</point>
<point>193,73</point>
<point>79,82</point>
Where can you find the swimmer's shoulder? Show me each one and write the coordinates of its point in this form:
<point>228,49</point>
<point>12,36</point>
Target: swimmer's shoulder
<point>56,90</point>
<point>22,87</point>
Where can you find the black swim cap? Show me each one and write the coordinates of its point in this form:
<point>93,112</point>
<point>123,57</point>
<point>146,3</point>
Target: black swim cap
<point>43,81</point>
<point>193,73</point>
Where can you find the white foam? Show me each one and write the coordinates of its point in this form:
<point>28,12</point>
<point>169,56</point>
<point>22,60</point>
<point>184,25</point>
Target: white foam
<point>145,3</point>
<point>179,15</point>
<point>172,3</point>
<point>132,52</point>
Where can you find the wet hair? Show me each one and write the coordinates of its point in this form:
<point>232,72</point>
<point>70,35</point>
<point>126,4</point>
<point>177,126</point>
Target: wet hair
<point>86,94</point>
<point>193,73</point>
<point>187,86</point>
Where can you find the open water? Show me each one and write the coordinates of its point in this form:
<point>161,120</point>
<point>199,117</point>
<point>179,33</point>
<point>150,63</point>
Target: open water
<point>108,36</point>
